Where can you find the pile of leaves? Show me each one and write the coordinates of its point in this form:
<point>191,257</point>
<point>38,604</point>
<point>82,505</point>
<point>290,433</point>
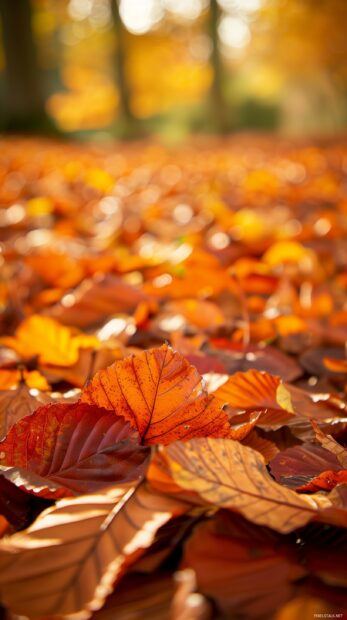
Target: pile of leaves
<point>173,380</point>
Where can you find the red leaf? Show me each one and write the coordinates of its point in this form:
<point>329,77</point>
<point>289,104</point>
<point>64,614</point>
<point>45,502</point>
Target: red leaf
<point>326,481</point>
<point>295,466</point>
<point>72,448</point>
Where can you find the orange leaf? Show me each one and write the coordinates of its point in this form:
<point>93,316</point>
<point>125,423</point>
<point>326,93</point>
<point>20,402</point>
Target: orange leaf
<point>12,378</point>
<point>255,391</point>
<point>53,343</point>
<point>326,481</point>
<point>161,395</point>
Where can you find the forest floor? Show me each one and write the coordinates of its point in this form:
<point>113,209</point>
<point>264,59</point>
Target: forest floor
<point>173,370</point>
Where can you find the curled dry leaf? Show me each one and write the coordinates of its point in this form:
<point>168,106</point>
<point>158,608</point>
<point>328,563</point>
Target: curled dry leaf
<point>67,449</point>
<point>230,475</point>
<point>161,395</point>
<point>53,343</point>
<point>67,562</point>
<point>254,390</point>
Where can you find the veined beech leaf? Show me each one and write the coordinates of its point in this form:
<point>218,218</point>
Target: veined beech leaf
<point>67,449</point>
<point>67,562</point>
<point>161,395</point>
<point>227,474</point>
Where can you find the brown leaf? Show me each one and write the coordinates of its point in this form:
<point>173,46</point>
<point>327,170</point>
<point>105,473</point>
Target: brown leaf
<point>161,395</point>
<point>297,465</point>
<point>69,559</point>
<point>243,567</point>
<point>230,475</point>
<point>15,404</point>
<point>94,300</point>
<point>329,443</point>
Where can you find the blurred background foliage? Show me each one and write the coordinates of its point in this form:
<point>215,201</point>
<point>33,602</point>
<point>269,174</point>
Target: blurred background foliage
<point>129,68</point>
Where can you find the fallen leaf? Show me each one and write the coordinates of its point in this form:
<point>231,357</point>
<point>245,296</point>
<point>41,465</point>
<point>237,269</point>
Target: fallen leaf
<point>53,343</point>
<point>329,443</point>
<point>161,395</point>
<point>326,481</point>
<point>296,465</point>
<point>68,449</point>
<point>254,390</point>
<point>18,403</point>
<point>236,357</point>
<point>12,378</point>
<point>249,571</point>
<point>230,475</point>
<point>95,299</point>
<point>68,560</point>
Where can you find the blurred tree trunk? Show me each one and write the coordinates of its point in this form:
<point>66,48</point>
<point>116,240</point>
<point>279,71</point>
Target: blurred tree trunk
<point>24,105</point>
<point>129,124</point>
<point>219,109</point>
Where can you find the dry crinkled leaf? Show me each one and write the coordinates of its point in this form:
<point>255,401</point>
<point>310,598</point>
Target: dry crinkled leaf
<point>67,449</point>
<point>230,475</point>
<point>52,342</point>
<point>18,403</point>
<point>67,562</point>
<point>161,395</point>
